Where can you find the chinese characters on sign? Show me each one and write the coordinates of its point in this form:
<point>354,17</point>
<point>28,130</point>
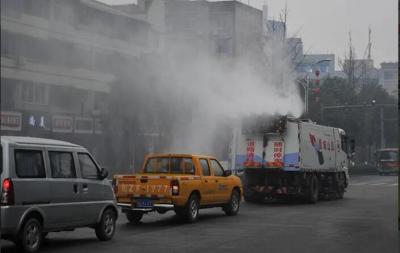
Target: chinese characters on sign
<point>250,150</point>
<point>278,150</point>
<point>62,124</point>
<point>11,121</point>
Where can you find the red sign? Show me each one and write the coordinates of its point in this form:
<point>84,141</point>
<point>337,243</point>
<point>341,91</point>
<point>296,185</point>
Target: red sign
<point>62,124</point>
<point>11,121</point>
<point>278,151</point>
<point>250,151</point>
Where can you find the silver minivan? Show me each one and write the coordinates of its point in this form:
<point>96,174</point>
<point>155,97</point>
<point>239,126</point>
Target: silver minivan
<point>49,185</point>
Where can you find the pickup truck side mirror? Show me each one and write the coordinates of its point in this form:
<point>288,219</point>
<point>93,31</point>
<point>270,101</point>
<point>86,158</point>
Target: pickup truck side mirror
<point>227,173</point>
<point>103,173</point>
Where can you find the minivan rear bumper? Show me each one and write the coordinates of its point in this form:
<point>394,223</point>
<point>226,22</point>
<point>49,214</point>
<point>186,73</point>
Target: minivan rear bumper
<point>10,219</point>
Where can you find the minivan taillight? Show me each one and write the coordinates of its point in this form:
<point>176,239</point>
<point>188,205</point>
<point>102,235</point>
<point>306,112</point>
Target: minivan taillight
<point>175,187</point>
<point>114,185</point>
<point>7,192</point>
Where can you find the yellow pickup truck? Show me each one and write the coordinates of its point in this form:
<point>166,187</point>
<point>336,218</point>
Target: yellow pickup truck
<point>184,183</point>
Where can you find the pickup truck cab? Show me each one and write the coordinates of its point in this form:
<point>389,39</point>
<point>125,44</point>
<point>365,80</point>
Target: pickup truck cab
<point>184,183</point>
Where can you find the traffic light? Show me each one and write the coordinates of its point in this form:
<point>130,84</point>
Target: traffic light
<point>316,92</point>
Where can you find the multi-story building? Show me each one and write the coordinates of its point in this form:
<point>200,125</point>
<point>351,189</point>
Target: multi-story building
<point>223,28</point>
<point>389,77</point>
<point>59,66</point>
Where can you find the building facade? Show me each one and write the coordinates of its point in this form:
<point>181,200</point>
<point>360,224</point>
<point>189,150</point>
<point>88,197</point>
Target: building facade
<point>389,77</point>
<point>58,69</point>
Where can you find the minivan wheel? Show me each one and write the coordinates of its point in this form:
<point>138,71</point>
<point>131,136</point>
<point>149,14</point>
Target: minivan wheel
<point>232,208</point>
<point>29,238</point>
<point>134,216</point>
<point>105,229</point>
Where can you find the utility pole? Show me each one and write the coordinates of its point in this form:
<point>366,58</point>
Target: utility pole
<point>382,128</point>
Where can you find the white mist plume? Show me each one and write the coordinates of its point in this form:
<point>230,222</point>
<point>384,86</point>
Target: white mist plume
<point>214,91</point>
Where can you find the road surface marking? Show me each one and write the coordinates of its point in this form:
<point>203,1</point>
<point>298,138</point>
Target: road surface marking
<point>356,184</point>
<point>374,184</point>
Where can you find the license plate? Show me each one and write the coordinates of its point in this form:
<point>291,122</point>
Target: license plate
<point>144,203</point>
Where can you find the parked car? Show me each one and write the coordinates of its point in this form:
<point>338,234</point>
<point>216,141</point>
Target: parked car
<point>387,161</point>
<point>48,186</point>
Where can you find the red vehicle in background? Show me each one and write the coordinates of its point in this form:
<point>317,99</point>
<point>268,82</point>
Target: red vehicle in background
<point>387,161</point>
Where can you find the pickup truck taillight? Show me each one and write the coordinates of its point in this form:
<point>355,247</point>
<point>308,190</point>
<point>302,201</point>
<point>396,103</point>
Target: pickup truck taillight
<point>7,192</point>
<point>175,187</point>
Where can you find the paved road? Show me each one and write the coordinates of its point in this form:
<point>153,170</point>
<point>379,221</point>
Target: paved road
<point>365,221</point>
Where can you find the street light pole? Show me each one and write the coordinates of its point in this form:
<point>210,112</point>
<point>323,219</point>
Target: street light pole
<point>306,85</point>
<point>382,129</point>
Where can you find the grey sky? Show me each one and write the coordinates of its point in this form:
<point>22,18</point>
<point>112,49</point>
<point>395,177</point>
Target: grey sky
<point>324,25</point>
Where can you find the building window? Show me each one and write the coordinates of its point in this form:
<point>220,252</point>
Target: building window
<point>9,44</point>
<point>39,8</point>
<point>388,75</point>
<point>33,93</point>
<point>12,8</point>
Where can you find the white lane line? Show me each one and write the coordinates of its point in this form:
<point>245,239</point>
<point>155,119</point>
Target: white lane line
<point>374,184</point>
<point>358,184</point>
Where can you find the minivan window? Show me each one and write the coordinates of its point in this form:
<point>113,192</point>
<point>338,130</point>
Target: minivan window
<point>62,165</point>
<point>88,167</point>
<point>29,164</point>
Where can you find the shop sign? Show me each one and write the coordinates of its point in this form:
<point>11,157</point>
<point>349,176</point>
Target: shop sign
<point>83,125</point>
<point>11,121</point>
<point>62,124</point>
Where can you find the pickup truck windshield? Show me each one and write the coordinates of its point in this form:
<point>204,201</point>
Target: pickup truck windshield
<point>174,165</point>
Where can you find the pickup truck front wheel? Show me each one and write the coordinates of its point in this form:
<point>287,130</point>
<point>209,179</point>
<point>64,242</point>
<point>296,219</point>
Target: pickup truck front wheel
<point>190,212</point>
<point>134,216</point>
<point>232,207</point>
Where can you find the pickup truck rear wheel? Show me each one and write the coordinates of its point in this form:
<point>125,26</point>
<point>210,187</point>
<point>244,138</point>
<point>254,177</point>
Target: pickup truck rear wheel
<point>190,212</point>
<point>134,216</point>
<point>232,208</point>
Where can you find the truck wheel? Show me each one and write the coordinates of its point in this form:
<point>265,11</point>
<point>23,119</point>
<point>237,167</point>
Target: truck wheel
<point>253,198</point>
<point>134,217</point>
<point>232,208</point>
<point>340,187</point>
<point>105,229</point>
<point>30,238</point>
<point>313,190</point>
<point>190,213</point>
